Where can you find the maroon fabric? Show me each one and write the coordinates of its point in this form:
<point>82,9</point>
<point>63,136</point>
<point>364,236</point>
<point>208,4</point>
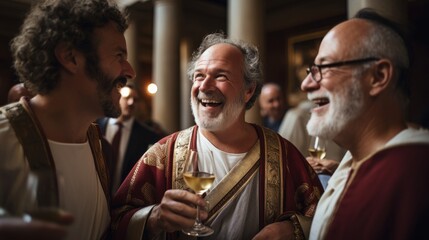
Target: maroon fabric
<point>387,197</point>
<point>145,185</point>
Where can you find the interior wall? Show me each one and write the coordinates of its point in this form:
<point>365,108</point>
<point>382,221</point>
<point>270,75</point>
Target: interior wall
<point>283,21</point>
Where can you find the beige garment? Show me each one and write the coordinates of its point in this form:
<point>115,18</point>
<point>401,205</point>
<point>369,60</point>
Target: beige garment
<point>294,129</point>
<point>14,170</point>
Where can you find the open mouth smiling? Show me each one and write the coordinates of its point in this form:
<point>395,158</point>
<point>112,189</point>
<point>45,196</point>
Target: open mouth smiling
<point>320,101</point>
<point>210,103</point>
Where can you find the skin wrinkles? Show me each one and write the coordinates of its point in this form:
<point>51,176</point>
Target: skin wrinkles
<point>345,94</point>
<point>350,31</point>
<point>214,81</point>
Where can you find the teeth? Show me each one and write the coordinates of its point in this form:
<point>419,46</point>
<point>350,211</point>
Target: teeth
<point>321,101</point>
<point>206,101</point>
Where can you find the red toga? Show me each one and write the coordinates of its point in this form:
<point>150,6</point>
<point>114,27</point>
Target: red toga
<point>287,184</point>
<point>385,197</point>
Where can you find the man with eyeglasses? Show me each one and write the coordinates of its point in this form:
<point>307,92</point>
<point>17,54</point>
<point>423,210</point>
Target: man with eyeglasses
<point>359,85</point>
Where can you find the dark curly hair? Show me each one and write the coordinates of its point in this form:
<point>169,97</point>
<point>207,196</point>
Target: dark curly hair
<point>53,21</point>
<point>252,65</point>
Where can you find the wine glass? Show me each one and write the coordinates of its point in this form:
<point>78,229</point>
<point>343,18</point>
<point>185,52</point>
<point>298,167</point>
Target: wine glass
<point>317,148</point>
<point>199,182</point>
<point>39,189</point>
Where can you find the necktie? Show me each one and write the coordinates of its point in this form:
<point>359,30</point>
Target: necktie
<point>115,145</point>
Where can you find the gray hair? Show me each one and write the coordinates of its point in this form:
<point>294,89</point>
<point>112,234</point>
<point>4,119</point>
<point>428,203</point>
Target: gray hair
<point>386,40</point>
<point>252,65</point>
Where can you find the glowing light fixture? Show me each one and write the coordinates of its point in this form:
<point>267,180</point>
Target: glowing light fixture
<point>125,91</point>
<point>152,88</point>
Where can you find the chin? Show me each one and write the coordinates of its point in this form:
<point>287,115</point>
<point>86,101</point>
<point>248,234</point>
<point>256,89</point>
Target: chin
<point>323,127</point>
<point>210,123</point>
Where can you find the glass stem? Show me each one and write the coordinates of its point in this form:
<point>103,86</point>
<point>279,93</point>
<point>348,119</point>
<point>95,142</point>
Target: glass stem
<point>197,219</point>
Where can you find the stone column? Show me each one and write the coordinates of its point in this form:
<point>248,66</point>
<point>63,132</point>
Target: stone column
<point>246,20</point>
<point>166,64</point>
<point>186,118</point>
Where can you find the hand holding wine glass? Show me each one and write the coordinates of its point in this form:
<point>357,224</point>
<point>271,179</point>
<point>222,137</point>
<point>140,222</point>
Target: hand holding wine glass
<point>199,182</point>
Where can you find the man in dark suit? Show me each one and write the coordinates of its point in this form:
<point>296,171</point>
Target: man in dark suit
<point>134,139</point>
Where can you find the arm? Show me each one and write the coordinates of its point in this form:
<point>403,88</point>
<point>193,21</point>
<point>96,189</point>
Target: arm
<point>143,206</point>
<point>175,212</point>
<point>18,228</point>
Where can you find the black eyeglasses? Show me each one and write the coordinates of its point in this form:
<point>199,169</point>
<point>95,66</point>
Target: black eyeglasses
<point>316,70</point>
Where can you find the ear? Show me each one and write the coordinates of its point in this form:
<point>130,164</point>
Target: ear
<point>249,93</point>
<point>382,76</point>
<point>66,56</point>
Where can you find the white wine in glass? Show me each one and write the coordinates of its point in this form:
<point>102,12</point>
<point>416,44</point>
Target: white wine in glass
<point>199,182</point>
<point>317,148</point>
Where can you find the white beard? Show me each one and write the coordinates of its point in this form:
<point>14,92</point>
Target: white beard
<point>231,111</point>
<point>344,105</point>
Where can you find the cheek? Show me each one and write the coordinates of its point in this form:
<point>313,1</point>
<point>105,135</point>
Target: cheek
<point>194,90</point>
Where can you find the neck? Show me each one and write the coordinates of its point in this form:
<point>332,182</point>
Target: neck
<point>61,121</point>
<point>369,133</point>
<point>235,139</point>
<point>124,118</point>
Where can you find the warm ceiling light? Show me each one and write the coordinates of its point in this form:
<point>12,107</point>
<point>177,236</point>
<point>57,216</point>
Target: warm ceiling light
<point>125,91</point>
<point>152,88</point>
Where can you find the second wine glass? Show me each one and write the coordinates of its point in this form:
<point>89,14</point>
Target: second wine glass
<point>199,182</point>
<point>317,148</point>
<point>40,201</point>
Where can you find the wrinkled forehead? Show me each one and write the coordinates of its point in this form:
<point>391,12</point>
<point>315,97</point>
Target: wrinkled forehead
<point>220,54</point>
<point>339,42</point>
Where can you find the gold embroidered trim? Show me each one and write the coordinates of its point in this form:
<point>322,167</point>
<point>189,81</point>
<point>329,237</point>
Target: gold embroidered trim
<point>273,177</point>
<point>181,148</point>
<point>298,233</point>
<point>234,182</point>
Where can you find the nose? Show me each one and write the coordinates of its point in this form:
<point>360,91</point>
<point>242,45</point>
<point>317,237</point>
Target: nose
<point>128,70</point>
<point>308,84</point>
<point>206,84</point>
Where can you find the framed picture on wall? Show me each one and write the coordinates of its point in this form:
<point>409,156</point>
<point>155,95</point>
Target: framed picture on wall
<point>301,51</point>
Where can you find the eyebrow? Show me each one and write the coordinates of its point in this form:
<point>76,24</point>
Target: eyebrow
<point>216,70</point>
<point>122,50</point>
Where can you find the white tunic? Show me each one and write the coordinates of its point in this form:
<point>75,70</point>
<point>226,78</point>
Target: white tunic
<point>240,218</point>
<point>80,191</point>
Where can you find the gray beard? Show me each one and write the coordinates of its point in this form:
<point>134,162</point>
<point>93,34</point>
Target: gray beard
<point>344,106</point>
<point>229,114</point>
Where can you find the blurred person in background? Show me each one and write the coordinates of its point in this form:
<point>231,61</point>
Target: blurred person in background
<point>272,105</point>
<point>17,91</point>
<point>129,136</point>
